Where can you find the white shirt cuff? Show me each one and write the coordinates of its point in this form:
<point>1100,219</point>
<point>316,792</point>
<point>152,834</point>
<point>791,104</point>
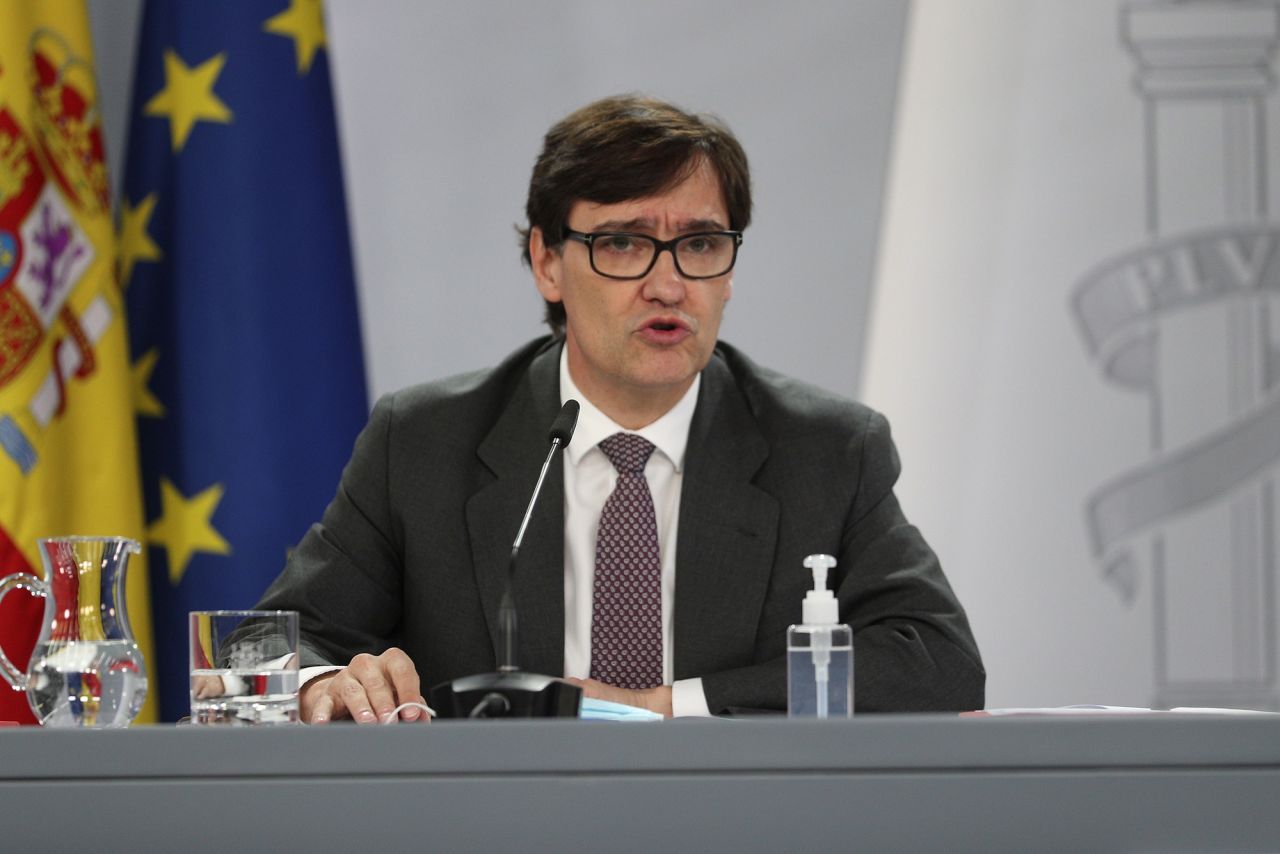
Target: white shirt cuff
<point>688,699</point>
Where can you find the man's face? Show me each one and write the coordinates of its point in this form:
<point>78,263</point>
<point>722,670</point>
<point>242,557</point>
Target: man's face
<point>634,346</point>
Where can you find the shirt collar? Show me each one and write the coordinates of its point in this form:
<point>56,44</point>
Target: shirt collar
<point>669,434</point>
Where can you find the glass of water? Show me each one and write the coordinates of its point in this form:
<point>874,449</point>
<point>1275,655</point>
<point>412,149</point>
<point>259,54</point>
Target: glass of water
<point>244,667</point>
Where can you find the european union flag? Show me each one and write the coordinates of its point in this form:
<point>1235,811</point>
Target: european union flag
<point>245,341</point>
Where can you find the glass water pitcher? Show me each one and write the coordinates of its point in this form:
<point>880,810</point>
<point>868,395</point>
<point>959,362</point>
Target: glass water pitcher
<point>86,670</point>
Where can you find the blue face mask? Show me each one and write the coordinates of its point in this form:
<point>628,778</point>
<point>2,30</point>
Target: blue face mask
<point>603,710</point>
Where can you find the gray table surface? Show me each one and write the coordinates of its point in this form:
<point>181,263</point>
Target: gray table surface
<point>890,783</point>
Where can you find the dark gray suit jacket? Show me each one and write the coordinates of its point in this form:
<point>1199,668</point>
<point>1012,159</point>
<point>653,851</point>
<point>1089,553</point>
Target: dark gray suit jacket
<point>413,549</point>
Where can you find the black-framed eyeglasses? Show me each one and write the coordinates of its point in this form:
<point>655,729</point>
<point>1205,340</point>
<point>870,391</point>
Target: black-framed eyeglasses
<point>623,255</point>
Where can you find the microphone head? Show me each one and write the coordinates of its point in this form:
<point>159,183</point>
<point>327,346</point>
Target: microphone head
<point>562,428</point>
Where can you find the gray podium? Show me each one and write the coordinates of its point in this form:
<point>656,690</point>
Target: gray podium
<point>871,784</point>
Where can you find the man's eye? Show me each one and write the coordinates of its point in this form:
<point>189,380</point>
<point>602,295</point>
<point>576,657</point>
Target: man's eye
<point>704,244</point>
<point>618,243</point>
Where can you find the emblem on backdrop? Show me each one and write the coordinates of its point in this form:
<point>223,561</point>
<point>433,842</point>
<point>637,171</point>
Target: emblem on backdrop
<point>1191,321</point>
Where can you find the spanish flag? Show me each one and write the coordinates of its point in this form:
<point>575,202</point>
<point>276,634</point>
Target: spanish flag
<point>68,448</point>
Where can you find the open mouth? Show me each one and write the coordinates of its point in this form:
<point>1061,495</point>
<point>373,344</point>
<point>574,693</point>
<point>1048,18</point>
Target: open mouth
<point>665,330</point>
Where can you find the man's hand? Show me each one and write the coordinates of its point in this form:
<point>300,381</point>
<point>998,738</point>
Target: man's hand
<point>367,690</point>
<point>654,699</point>
<point>208,687</point>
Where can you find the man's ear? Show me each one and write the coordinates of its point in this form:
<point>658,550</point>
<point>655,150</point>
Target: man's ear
<point>547,265</point>
<point>728,288</point>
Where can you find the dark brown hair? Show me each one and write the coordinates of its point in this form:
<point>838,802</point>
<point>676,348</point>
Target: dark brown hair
<point>622,148</point>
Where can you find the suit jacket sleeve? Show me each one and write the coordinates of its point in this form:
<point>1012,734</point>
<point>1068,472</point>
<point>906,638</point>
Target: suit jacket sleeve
<point>913,649</point>
<point>345,576</point>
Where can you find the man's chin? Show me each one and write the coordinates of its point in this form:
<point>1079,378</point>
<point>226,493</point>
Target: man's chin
<point>667,373</point>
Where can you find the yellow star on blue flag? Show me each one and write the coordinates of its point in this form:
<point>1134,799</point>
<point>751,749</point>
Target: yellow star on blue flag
<point>187,96</point>
<point>135,244</point>
<point>303,22</point>
<point>185,526</point>
<point>248,376</point>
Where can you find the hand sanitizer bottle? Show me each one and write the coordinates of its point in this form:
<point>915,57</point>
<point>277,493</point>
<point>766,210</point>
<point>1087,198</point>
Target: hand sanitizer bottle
<point>820,653</point>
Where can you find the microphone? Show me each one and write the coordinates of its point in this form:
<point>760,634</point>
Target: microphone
<point>559,435</point>
<point>562,428</point>
<point>509,692</point>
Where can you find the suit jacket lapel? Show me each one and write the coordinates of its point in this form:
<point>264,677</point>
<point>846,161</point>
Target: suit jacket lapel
<point>513,451</point>
<point>727,531</point>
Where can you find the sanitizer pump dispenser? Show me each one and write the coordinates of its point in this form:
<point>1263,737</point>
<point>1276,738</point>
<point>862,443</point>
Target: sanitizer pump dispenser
<point>820,653</point>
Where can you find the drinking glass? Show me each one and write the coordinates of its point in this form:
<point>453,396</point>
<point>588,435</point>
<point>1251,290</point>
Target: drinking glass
<point>244,667</point>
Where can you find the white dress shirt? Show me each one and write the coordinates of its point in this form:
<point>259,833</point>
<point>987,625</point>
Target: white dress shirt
<point>589,479</point>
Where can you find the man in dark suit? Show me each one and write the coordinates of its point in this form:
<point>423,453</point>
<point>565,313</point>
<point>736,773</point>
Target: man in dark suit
<point>664,562</point>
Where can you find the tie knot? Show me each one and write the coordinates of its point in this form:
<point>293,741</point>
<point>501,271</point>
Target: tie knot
<point>627,451</point>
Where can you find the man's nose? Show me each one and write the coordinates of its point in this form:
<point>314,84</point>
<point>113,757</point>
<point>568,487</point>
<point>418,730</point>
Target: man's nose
<point>664,282</point>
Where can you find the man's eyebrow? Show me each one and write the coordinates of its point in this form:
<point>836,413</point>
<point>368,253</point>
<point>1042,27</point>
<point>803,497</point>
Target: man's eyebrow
<point>701,225</point>
<point>637,224</point>
<point>646,224</point>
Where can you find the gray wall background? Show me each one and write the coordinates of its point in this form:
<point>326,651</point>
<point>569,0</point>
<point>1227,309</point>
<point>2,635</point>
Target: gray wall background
<point>443,106</point>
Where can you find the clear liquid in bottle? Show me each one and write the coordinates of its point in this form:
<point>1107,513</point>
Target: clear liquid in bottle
<point>808,695</point>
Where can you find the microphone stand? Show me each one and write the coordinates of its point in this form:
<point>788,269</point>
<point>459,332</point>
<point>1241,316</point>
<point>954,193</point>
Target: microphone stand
<point>509,691</point>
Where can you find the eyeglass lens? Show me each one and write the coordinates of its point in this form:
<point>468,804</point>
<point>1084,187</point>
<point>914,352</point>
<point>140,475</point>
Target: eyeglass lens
<point>697,255</point>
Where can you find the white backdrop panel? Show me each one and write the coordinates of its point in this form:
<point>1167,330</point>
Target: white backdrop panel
<point>1039,143</point>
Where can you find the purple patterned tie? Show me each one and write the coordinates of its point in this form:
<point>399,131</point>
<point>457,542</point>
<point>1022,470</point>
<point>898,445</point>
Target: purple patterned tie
<point>626,619</point>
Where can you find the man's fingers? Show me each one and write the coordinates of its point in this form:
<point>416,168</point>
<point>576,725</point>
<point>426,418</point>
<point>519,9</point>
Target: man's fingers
<point>322,710</point>
<point>389,680</point>
<point>309,699</point>
<point>404,681</point>
<point>352,690</point>
<point>368,689</point>
<point>208,686</point>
